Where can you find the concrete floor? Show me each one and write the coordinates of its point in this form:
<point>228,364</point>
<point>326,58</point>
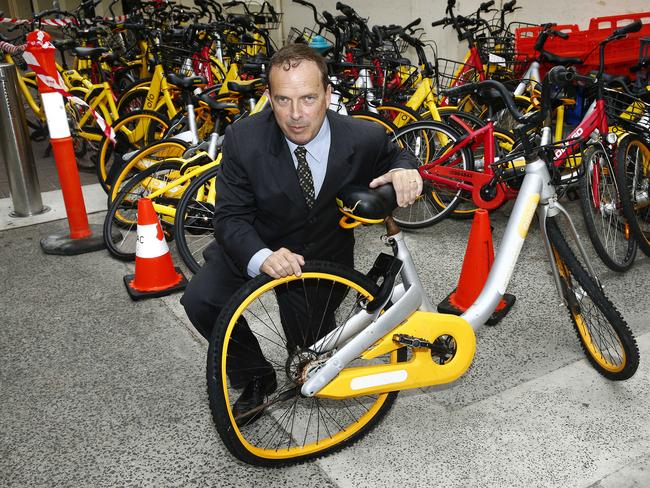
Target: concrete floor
<point>98,390</point>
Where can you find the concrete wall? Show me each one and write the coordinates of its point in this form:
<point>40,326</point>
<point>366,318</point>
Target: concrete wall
<point>402,12</point>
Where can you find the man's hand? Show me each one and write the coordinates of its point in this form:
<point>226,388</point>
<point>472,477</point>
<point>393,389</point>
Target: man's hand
<point>283,263</point>
<point>407,184</point>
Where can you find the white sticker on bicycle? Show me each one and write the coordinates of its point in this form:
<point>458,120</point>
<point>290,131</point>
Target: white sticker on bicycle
<point>151,242</point>
<point>378,379</point>
<point>495,59</point>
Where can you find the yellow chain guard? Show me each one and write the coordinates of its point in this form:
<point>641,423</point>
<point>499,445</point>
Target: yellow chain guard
<point>420,370</point>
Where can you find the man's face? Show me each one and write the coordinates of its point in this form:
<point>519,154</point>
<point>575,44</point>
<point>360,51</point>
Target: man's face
<point>299,101</point>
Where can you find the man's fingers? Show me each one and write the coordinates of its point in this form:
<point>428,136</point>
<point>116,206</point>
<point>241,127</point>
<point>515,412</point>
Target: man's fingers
<point>380,180</point>
<point>283,263</point>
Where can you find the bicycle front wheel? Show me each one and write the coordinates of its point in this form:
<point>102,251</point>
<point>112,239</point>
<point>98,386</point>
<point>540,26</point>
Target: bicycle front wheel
<point>428,142</point>
<point>607,228</point>
<point>151,155</point>
<point>193,227</point>
<point>606,339</point>
<point>633,173</point>
<point>133,131</point>
<point>268,326</point>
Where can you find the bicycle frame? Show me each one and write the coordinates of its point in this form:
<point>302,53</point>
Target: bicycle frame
<point>370,335</point>
<point>173,187</point>
<point>470,180</point>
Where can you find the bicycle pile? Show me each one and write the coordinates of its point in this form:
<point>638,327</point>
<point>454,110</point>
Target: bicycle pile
<point>169,79</point>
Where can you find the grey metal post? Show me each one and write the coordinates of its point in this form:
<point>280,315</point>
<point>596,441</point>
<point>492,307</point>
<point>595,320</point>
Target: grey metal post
<point>16,147</point>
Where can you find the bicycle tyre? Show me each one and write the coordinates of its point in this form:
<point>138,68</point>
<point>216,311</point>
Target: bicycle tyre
<point>601,211</point>
<point>388,126</point>
<point>288,411</point>
<point>398,115</point>
<point>153,127</point>
<point>455,118</point>
<point>502,117</point>
<point>122,215</point>
<point>151,155</point>
<point>606,339</point>
<point>193,227</point>
<point>428,140</point>
<point>633,173</point>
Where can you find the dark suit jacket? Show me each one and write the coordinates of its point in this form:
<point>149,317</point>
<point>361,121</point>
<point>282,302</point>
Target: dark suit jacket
<point>259,200</point>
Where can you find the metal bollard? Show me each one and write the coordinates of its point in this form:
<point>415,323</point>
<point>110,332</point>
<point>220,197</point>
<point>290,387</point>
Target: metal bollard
<point>17,149</point>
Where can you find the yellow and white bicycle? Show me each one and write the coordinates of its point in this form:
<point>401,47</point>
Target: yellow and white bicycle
<point>359,343</point>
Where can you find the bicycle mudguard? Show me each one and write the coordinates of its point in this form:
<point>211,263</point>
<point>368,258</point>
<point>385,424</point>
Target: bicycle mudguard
<point>420,370</point>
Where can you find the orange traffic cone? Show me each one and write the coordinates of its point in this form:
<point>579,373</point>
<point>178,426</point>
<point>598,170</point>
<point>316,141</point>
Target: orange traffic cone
<point>155,275</point>
<point>479,257</point>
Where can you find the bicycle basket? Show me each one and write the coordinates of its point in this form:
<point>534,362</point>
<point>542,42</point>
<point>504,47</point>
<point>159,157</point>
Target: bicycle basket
<point>564,160</point>
<point>185,62</point>
<point>510,169</point>
<point>626,111</point>
<point>451,73</point>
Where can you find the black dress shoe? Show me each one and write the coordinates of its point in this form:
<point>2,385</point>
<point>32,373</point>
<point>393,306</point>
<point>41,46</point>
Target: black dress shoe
<point>252,397</point>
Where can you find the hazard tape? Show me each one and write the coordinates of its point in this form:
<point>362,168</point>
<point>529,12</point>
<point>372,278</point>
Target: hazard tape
<point>11,48</point>
<point>58,85</point>
<point>60,22</point>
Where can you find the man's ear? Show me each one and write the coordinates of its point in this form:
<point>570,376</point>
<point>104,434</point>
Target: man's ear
<point>267,94</point>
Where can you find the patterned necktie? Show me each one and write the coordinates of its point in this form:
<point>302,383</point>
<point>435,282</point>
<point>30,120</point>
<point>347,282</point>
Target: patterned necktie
<point>304,176</point>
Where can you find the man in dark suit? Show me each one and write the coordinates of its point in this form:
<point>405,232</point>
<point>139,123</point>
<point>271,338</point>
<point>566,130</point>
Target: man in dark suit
<point>280,172</point>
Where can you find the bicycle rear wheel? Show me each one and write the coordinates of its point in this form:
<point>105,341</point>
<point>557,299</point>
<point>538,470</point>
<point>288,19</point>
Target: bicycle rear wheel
<point>606,339</point>
<point>193,227</point>
<point>122,215</point>
<point>293,428</point>
<point>608,230</point>
<point>429,141</point>
<point>633,174</point>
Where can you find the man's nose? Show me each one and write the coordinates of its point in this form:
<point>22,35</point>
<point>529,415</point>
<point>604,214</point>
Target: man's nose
<point>295,110</point>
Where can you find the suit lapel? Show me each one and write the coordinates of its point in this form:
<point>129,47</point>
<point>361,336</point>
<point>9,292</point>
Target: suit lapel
<point>284,173</point>
<point>338,161</point>
<point>281,166</point>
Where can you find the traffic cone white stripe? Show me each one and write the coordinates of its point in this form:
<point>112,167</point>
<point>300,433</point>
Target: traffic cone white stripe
<point>149,245</point>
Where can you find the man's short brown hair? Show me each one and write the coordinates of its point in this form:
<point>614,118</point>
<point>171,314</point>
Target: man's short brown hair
<point>292,55</point>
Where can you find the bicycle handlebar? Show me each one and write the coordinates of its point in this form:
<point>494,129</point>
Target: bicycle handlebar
<point>484,7</point>
<point>509,6</point>
<point>558,75</point>
<point>628,29</point>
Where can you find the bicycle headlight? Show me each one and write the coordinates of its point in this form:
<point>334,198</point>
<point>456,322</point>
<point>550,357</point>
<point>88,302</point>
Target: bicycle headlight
<point>611,138</point>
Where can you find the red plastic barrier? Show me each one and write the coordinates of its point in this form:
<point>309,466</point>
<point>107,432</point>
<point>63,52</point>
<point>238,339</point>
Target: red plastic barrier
<point>619,55</point>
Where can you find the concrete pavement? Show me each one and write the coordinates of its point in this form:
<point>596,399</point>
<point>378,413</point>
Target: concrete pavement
<point>100,391</point>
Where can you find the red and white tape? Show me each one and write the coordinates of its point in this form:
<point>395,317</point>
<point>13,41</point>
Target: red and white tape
<point>11,48</point>
<point>59,22</point>
<point>57,84</point>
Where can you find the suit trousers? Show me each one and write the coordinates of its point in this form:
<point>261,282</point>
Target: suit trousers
<point>306,310</point>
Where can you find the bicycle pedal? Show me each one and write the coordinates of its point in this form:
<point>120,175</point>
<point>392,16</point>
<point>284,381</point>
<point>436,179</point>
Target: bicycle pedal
<point>411,341</point>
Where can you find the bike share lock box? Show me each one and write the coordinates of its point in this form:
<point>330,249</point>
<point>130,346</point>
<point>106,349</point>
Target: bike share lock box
<point>386,267</point>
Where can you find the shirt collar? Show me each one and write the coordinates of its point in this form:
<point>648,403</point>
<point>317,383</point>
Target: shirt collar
<point>318,147</point>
